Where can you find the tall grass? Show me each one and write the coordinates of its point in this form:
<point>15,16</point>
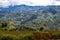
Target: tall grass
<point>35,35</point>
<point>15,37</point>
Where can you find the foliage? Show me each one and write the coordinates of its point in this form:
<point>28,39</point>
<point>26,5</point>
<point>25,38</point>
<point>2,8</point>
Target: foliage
<point>33,35</point>
<point>41,28</point>
<point>47,17</point>
<point>7,25</point>
<point>14,37</point>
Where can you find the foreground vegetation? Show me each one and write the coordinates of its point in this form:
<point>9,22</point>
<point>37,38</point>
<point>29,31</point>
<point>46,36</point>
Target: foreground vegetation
<point>29,35</point>
<point>8,31</point>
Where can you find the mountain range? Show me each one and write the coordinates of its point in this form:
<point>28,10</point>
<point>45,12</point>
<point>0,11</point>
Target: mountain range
<point>34,17</point>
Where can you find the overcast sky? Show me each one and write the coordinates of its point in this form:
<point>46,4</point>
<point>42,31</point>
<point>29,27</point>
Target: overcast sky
<point>6,3</point>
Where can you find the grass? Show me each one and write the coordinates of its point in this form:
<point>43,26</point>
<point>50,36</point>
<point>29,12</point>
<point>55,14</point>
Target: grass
<point>15,37</point>
<point>32,35</point>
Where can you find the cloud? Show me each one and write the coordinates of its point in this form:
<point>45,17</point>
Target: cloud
<point>42,2</point>
<point>57,2</point>
<point>6,3</point>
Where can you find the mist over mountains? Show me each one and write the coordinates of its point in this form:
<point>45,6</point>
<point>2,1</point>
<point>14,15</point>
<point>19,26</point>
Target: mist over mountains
<point>34,17</point>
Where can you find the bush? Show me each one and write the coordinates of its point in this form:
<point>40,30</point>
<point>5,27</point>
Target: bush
<point>7,37</point>
<point>14,37</point>
<point>56,35</point>
<point>27,36</point>
<point>41,28</point>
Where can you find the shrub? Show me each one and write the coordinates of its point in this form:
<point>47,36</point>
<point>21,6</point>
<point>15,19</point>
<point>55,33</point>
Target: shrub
<point>56,35</point>
<point>26,36</point>
<point>41,28</point>
<point>8,37</point>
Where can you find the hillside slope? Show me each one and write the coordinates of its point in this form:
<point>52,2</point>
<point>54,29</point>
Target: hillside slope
<point>33,17</point>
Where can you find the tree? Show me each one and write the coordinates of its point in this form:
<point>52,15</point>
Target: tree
<point>41,28</point>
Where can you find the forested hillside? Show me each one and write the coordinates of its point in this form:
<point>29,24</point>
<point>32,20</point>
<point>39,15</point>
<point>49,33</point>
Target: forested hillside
<point>31,17</point>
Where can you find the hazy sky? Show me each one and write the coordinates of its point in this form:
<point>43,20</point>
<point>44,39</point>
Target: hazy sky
<point>6,3</point>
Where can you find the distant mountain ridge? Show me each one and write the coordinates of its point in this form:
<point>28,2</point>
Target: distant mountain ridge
<point>24,7</point>
<point>29,9</point>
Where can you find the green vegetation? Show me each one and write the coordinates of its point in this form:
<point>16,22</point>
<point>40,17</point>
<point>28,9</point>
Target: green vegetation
<point>47,17</point>
<point>32,35</point>
<point>14,37</point>
<point>9,32</point>
<point>30,24</point>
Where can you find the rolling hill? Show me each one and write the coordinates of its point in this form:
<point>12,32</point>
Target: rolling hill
<point>33,17</point>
